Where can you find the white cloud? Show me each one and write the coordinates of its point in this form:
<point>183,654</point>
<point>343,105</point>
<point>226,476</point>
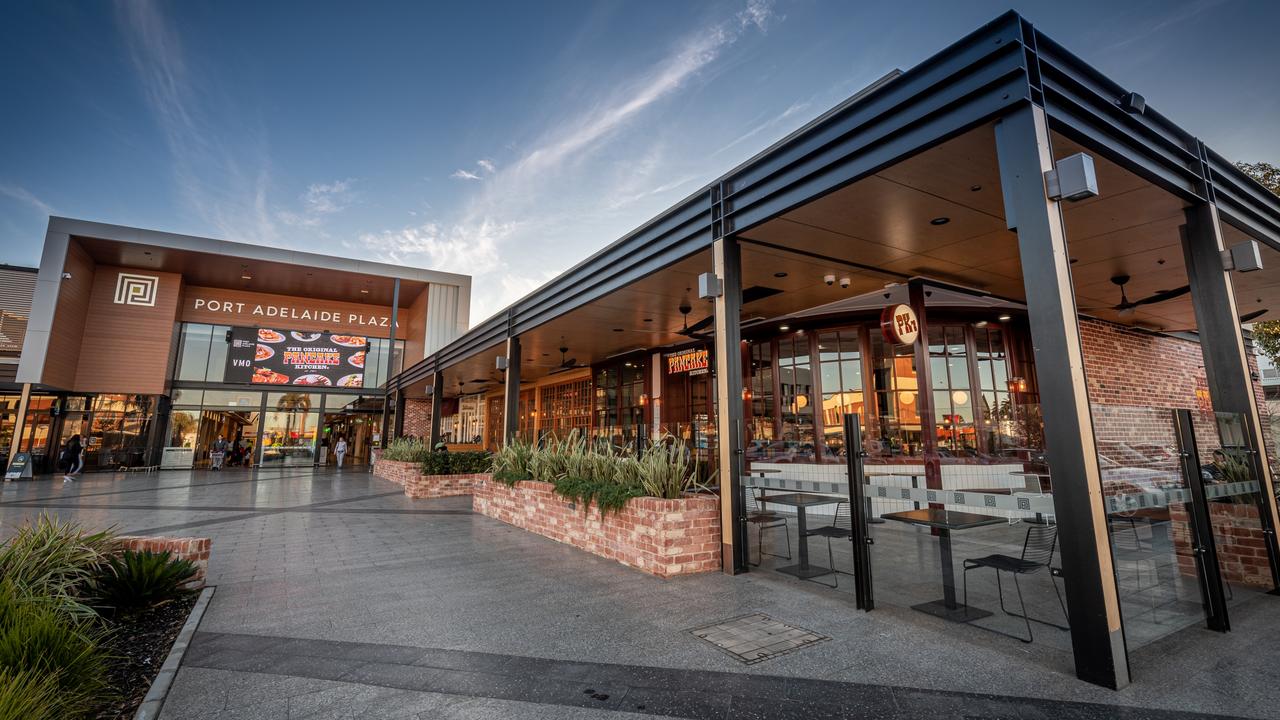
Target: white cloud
<point>320,201</point>
<point>526,222</point>
<point>456,249</point>
<point>26,197</point>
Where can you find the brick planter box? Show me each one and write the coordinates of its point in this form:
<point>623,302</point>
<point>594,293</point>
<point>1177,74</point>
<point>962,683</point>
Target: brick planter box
<point>397,472</point>
<point>432,486</point>
<point>186,548</point>
<point>662,537</point>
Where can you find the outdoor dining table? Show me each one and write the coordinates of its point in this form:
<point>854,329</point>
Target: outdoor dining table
<point>800,501</point>
<point>944,521</point>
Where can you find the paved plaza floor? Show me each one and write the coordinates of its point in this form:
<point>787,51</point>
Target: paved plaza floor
<point>338,597</point>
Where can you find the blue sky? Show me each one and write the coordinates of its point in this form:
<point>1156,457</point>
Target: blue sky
<point>507,141</point>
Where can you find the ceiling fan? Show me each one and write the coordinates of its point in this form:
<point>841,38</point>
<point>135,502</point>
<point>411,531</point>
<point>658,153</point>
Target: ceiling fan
<point>1126,307</point>
<point>566,363</point>
<point>693,330</point>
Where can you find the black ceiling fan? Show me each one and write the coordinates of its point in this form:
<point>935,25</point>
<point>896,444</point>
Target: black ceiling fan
<point>566,363</point>
<point>693,330</point>
<point>1127,306</point>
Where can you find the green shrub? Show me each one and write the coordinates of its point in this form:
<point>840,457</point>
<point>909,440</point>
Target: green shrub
<point>37,638</point>
<point>136,580</point>
<point>607,495</point>
<point>510,464</point>
<point>53,562</point>
<point>456,463</point>
<point>28,695</point>
<point>406,449</point>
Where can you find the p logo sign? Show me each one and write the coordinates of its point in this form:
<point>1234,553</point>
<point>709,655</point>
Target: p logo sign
<point>899,324</point>
<point>134,289</point>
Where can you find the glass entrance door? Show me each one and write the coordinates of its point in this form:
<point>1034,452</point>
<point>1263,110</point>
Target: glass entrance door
<point>357,429</point>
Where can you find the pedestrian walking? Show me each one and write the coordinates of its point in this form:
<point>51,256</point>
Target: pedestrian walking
<point>340,449</point>
<point>74,458</point>
<point>219,453</point>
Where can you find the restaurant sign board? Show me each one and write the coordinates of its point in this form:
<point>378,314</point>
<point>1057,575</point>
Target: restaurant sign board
<point>283,357</point>
<point>694,361</point>
<point>899,324</point>
<point>19,468</point>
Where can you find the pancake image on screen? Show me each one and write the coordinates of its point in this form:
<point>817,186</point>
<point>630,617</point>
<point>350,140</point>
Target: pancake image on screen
<point>357,360</point>
<point>353,380</point>
<point>270,336</point>
<point>262,353</point>
<point>269,377</point>
<point>304,337</point>
<point>348,340</point>
<point>312,379</point>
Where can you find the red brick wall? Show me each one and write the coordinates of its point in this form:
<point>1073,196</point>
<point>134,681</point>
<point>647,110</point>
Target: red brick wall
<point>1148,374</point>
<point>194,549</point>
<point>662,537</point>
<point>417,418</point>
<point>432,486</point>
<point>1134,379</point>
<point>397,472</point>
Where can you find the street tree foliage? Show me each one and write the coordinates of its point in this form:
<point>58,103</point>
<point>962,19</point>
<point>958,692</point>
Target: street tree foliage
<point>1266,335</point>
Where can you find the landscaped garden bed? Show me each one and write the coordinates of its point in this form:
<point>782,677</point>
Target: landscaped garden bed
<point>635,509</point>
<point>429,474</point>
<point>87,619</point>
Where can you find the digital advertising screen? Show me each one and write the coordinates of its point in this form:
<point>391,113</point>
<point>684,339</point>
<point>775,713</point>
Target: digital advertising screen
<point>265,356</point>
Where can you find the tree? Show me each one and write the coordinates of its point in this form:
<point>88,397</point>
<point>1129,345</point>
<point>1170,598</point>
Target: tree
<point>1266,334</point>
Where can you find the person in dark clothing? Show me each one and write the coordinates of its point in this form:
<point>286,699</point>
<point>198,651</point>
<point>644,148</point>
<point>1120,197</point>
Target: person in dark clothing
<point>74,458</point>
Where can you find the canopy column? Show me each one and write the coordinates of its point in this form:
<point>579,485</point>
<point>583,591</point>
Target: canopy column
<point>1093,606</point>
<point>511,399</point>
<point>727,262</point>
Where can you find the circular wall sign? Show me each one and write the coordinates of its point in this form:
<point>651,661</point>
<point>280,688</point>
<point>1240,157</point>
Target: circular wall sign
<point>898,322</point>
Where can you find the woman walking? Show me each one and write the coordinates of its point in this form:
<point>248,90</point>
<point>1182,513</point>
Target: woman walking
<point>75,458</point>
<point>340,449</point>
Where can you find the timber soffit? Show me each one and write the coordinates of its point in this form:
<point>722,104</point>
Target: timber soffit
<point>989,72</point>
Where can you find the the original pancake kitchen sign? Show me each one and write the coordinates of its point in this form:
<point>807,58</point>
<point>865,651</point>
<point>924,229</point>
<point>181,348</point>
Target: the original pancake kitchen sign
<point>286,312</point>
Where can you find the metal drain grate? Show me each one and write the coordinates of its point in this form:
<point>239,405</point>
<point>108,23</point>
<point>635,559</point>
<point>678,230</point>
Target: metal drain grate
<point>757,637</point>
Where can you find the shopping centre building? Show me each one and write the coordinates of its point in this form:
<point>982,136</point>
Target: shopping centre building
<point>151,345</point>
<point>1028,289</point>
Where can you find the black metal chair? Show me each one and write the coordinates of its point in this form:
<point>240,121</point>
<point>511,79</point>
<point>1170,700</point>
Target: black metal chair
<point>1037,554</point>
<point>765,520</point>
<point>1129,553</point>
<point>841,527</point>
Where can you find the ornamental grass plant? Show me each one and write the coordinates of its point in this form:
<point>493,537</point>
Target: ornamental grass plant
<point>593,472</point>
<point>38,639</point>
<point>406,449</point>
<point>54,562</point>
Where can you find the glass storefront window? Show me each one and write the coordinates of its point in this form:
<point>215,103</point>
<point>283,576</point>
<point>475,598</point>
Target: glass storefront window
<point>952,396</point>
<point>565,407</point>
<point>618,412</point>
<point>118,432</point>
<point>251,399</point>
<point>761,421</point>
<point>796,401</point>
<point>193,352</point>
<point>375,364</point>
<point>841,366</point>
<point>897,430</point>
